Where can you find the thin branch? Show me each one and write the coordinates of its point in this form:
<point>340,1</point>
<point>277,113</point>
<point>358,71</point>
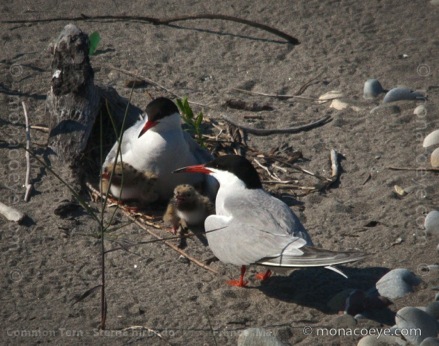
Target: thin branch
<point>40,128</point>
<point>171,245</point>
<point>142,225</point>
<point>158,21</point>
<point>271,175</point>
<point>27,184</point>
<point>414,169</point>
<point>267,132</point>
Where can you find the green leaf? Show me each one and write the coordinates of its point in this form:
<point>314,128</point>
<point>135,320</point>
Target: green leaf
<point>198,120</point>
<point>94,38</point>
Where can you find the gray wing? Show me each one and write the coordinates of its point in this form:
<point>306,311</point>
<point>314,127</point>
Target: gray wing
<point>256,226</point>
<point>261,229</point>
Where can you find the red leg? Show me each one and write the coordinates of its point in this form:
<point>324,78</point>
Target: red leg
<point>240,282</point>
<point>263,276</point>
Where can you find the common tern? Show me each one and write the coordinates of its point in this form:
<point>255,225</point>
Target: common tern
<point>158,145</point>
<point>252,227</point>
<point>187,208</point>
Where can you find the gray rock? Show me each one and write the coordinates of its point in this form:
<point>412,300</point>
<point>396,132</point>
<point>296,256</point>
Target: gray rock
<point>436,297</point>
<point>258,337</point>
<point>431,222</point>
<point>417,325</point>
<point>372,88</point>
<point>397,283</point>
<point>430,342</point>
<point>397,94</point>
<point>433,310</point>
<point>383,340</point>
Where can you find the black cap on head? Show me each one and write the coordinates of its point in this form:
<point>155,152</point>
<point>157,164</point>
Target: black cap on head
<point>160,108</point>
<point>239,166</point>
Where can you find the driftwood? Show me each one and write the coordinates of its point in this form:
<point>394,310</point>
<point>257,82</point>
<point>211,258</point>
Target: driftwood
<point>74,102</point>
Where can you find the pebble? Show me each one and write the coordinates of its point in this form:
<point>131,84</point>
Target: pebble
<point>397,283</point>
<point>433,310</point>
<point>431,139</point>
<point>420,111</point>
<point>383,340</point>
<point>430,342</point>
<point>434,158</point>
<point>419,322</point>
<point>431,222</point>
<point>372,88</point>
<point>397,94</point>
<point>258,337</point>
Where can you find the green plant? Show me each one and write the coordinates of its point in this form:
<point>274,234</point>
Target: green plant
<point>193,122</point>
<point>94,38</point>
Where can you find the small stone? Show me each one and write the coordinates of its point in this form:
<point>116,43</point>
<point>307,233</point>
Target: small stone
<point>430,342</point>
<point>431,139</point>
<point>400,93</point>
<point>420,111</point>
<point>421,324</point>
<point>436,297</point>
<point>397,283</point>
<point>431,222</point>
<point>383,340</point>
<point>258,337</point>
<point>433,310</point>
<point>372,88</point>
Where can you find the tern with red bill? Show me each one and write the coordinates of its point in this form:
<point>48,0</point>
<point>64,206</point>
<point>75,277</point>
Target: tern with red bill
<point>158,145</point>
<point>252,227</point>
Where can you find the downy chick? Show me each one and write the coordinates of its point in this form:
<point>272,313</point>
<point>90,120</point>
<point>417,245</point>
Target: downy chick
<point>130,182</point>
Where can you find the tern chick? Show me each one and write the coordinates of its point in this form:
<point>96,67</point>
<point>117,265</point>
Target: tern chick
<point>129,182</point>
<point>187,208</point>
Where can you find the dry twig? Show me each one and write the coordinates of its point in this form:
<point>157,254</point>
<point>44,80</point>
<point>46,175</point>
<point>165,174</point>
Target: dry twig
<point>414,169</point>
<point>95,193</point>
<point>27,184</point>
<point>158,21</point>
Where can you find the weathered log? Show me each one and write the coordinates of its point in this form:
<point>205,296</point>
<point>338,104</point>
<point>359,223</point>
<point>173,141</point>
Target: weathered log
<point>74,102</point>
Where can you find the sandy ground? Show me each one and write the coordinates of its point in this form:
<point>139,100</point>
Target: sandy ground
<point>49,260</point>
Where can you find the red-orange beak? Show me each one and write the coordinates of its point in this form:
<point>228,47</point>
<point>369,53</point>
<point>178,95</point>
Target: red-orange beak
<point>147,126</point>
<point>193,169</point>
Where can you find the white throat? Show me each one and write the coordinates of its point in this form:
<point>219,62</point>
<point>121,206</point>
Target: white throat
<point>230,184</point>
